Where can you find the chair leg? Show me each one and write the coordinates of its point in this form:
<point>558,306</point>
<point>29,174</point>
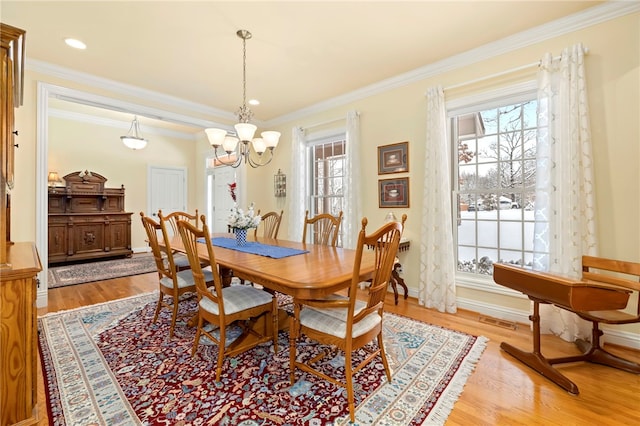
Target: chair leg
<point>593,352</point>
<point>196,340</point>
<point>383,355</point>
<point>348,372</point>
<point>174,316</point>
<point>158,306</point>
<point>222,341</point>
<point>293,337</point>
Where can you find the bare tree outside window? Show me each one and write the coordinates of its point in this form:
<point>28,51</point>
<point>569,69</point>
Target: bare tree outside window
<point>328,165</point>
<point>495,183</point>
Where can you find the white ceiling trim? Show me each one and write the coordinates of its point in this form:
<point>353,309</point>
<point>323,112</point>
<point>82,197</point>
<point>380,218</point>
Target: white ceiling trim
<point>98,101</point>
<point>119,124</point>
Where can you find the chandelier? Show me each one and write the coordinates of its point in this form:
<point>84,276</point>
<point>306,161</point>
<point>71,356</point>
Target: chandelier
<point>134,139</point>
<point>240,148</point>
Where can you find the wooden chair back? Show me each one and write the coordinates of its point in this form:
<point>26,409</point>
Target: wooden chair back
<point>385,242</point>
<point>324,228</point>
<point>163,255</point>
<point>269,224</point>
<point>191,235</point>
<point>618,273</point>
<point>174,217</point>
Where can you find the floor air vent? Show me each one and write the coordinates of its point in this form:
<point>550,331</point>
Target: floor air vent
<point>498,322</point>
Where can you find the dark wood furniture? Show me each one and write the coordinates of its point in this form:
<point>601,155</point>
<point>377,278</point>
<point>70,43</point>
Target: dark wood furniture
<point>87,220</point>
<point>590,294</point>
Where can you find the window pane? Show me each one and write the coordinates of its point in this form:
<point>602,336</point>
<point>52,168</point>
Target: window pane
<point>327,159</point>
<point>495,183</point>
<point>509,256</point>
<point>511,235</point>
<point>487,230</point>
<point>467,230</point>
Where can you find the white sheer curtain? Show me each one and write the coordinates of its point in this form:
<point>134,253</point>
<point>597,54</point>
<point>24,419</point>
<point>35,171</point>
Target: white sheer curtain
<point>298,188</point>
<point>437,261</point>
<point>352,204</point>
<point>564,205</point>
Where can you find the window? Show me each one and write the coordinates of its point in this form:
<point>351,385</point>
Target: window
<point>327,159</point>
<point>495,184</point>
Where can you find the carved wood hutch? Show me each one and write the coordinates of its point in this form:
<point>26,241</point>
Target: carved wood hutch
<point>87,220</point>
<point>19,262</point>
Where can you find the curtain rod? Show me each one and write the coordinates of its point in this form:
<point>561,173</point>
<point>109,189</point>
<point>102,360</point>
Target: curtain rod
<point>501,73</point>
<point>323,123</point>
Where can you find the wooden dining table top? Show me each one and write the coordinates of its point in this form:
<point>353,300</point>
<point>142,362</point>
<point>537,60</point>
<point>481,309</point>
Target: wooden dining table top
<point>321,271</point>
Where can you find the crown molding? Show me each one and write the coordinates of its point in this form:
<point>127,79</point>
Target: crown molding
<point>118,124</point>
<point>592,16</point>
<point>125,89</point>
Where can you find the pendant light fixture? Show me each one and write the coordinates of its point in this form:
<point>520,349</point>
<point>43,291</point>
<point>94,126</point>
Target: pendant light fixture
<point>240,148</point>
<point>134,139</point>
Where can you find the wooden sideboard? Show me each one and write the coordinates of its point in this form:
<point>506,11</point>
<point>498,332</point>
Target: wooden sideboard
<point>87,220</point>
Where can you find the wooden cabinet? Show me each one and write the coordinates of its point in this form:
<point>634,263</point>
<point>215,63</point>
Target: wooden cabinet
<point>18,336</point>
<point>19,262</point>
<point>11,84</point>
<point>87,220</point>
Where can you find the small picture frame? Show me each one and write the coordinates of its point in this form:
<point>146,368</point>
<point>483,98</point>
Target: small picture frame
<point>393,192</point>
<point>393,158</point>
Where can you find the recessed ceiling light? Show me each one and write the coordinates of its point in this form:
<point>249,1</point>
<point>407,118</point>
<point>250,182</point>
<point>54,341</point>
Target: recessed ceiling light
<point>254,102</point>
<point>77,44</point>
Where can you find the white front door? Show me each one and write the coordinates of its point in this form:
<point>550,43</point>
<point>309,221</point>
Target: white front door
<point>167,190</point>
<point>222,202</point>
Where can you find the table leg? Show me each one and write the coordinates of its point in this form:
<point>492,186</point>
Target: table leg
<point>536,360</point>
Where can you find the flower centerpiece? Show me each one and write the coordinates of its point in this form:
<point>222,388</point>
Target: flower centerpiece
<point>240,221</point>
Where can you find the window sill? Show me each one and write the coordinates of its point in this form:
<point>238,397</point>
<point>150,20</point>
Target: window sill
<point>487,285</point>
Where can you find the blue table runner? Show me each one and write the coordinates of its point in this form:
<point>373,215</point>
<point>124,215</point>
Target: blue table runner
<point>275,252</point>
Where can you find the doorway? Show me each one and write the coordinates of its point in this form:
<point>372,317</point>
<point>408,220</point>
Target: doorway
<point>219,197</point>
<point>167,190</point>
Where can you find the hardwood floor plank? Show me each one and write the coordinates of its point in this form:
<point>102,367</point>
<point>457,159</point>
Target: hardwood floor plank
<point>501,390</point>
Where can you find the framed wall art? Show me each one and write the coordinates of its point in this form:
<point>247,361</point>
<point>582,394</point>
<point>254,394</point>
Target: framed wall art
<point>393,158</point>
<point>393,192</point>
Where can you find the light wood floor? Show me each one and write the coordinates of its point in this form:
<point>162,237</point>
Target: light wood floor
<point>501,391</point>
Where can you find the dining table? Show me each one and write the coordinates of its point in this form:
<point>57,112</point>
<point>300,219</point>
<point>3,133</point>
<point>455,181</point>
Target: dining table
<point>315,271</point>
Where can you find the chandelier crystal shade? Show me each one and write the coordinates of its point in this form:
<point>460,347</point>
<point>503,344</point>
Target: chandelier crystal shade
<point>243,147</point>
<point>134,139</point>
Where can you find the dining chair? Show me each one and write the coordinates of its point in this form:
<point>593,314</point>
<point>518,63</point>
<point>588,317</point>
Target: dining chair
<point>269,224</point>
<point>223,306</point>
<point>172,282</point>
<point>180,259</point>
<point>343,322</point>
<point>324,228</point>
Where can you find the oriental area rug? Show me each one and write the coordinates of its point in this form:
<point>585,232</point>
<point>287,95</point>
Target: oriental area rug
<point>108,364</point>
<point>79,273</point>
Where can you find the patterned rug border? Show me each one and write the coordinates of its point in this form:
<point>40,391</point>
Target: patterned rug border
<point>441,402</point>
<point>86,272</point>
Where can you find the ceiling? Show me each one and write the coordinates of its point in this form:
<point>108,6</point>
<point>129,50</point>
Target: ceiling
<point>301,53</point>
